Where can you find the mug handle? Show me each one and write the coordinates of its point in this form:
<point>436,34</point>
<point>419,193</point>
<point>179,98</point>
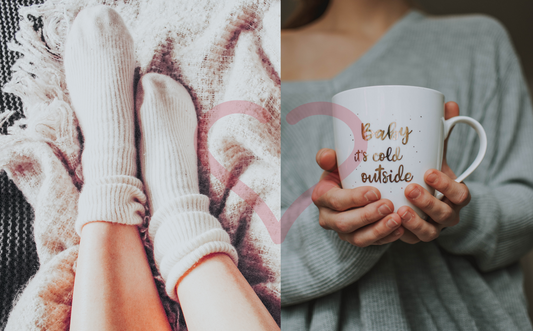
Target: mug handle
<point>448,125</point>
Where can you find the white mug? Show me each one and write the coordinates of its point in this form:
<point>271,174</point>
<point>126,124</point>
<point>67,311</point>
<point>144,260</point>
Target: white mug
<point>404,129</point>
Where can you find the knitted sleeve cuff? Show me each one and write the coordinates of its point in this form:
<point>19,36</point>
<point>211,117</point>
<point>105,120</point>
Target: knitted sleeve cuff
<point>115,199</point>
<point>184,233</point>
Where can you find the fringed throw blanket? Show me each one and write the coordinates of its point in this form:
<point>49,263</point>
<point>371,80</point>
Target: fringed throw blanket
<point>221,51</point>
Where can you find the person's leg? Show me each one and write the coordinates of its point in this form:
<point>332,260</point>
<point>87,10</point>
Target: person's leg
<point>113,288</point>
<point>190,246</point>
<point>215,296</point>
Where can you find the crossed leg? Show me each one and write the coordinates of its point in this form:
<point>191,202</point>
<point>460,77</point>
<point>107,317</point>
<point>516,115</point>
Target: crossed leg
<point>114,288</point>
<point>192,250</point>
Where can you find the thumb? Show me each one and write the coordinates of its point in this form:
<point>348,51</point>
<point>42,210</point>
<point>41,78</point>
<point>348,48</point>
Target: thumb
<point>327,159</point>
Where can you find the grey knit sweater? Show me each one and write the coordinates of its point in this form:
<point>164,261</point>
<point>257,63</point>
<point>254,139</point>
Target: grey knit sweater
<point>467,279</point>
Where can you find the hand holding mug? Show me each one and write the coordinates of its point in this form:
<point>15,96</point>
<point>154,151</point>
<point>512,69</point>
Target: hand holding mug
<point>442,213</point>
<point>355,213</point>
<point>359,215</point>
<point>396,145</point>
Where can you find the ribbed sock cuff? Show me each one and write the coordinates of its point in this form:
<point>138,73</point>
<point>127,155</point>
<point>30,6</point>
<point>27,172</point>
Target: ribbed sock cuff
<point>115,199</point>
<point>183,232</point>
<point>179,205</point>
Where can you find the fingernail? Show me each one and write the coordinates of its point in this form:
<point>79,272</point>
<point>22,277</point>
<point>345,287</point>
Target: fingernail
<point>397,232</point>
<point>371,196</point>
<point>391,223</point>
<point>384,210</point>
<point>432,178</point>
<point>406,216</point>
<point>414,193</point>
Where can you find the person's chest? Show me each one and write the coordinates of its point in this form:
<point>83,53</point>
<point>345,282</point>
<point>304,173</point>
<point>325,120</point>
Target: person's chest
<point>320,56</point>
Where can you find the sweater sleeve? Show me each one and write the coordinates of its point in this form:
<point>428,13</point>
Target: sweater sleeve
<point>496,227</point>
<point>315,262</point>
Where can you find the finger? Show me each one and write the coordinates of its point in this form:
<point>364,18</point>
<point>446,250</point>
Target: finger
<point>438,210</point>
<point>333,197</point>
<point>327,159</point>
<point>423,230</point>
<point>457,193</point>
<point>327,183</point>
<point>354,219</point>
<point>447,170</point>
<point>395,235</point>
<point>368,235</point>
<point>451,109</point>
<point>409,237</point>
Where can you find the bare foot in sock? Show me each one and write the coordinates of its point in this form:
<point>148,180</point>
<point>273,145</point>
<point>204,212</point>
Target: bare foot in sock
<point>99,66</point>
<point>181,228</point>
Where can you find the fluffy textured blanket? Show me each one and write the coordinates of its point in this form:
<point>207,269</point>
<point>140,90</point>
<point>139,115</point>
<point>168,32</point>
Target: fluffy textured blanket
<point>221,51</point>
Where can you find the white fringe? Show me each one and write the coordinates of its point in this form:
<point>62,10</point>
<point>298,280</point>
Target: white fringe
<point>5,116</point>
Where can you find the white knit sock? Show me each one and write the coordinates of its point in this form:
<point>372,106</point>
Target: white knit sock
<point>99,66</point>
<point>182,229</point>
